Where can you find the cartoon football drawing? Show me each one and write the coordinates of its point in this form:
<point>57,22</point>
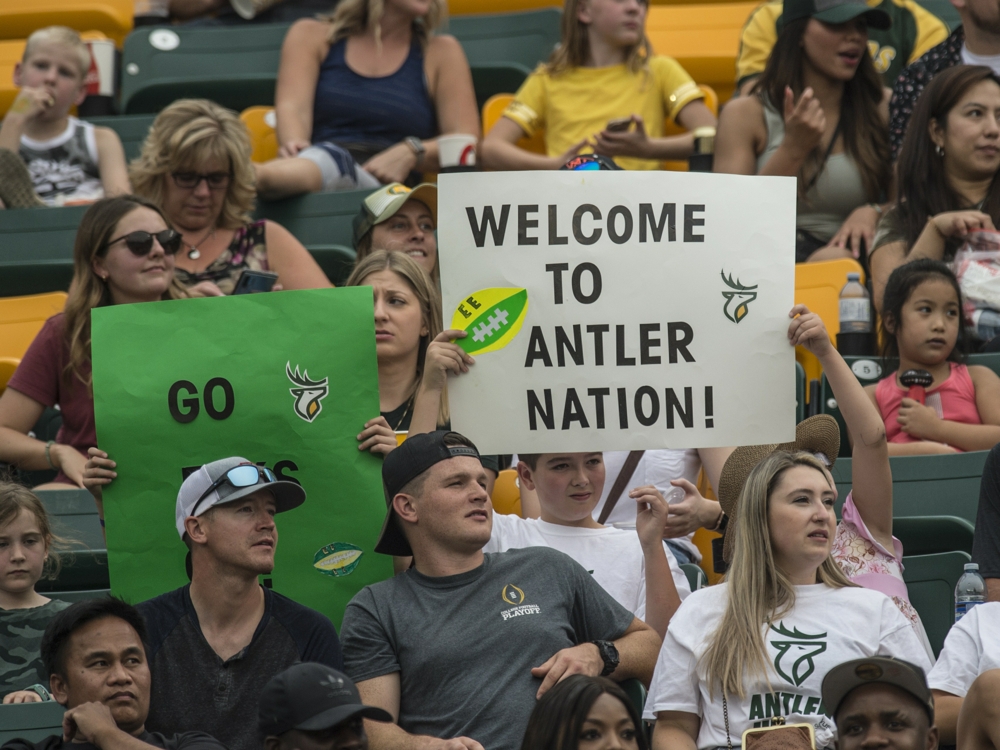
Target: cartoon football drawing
<point>491,317</point>
<point>337,559</point>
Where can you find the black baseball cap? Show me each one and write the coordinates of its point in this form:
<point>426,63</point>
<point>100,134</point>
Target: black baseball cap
<point>844,678</point>
<point>833,11</point>
<point>416,455</point>
<point>311,697</point>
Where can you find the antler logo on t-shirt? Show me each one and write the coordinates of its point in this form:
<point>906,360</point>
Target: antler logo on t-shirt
<point>794,661</point>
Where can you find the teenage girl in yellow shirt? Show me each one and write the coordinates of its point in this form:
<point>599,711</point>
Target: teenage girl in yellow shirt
<point>603,90</point>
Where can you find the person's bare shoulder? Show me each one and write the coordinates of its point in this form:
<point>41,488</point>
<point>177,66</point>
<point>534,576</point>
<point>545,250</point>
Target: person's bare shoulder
<point>308,31</point>
<point>444,47</point>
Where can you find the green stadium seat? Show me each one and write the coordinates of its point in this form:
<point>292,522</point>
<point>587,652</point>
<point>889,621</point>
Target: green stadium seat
<point>636,693</point>
<point>926,535</point>
<point>526,38</point>
<point>695,575</point>
<point>991,360</point>
<point>74,517</point>
<point>927,485</point>
<point>800,393</point>
<point>321,222</point>
<point>132,130</point>
<point>78,596</point>
<point>497,78</point>
<point>30,721</point>
<point>931,580</point>
<point>36,249</point>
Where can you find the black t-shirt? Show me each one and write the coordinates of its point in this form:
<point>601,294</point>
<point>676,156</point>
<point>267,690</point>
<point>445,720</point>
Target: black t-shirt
<point>184,741</point>
<point>986,542</point>
<point>193,689</point>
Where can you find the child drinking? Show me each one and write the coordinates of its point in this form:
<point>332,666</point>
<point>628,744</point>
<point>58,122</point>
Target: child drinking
<point>25,545</point>
<point>921,324</point>
<point>602,90</point>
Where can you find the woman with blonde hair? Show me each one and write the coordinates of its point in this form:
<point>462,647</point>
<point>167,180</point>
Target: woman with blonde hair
<point>124,253</point>
<point>603,90</point>
<point>363,95</point>
<point>756,647</point>
<point>195,163</point>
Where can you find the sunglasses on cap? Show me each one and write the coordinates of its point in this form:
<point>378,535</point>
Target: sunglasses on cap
<point>190,180</point>
<point>141,243</point>
<point>244,475</point>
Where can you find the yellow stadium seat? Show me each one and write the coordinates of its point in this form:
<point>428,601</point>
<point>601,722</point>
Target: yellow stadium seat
<point>703,39</point>
<point>19,18</point>
<point>7,367</point>
<point>260,121</point>
<point>21,318</point>
<point>817,286</point>
<point>506,495</point>
<point>469,7</point>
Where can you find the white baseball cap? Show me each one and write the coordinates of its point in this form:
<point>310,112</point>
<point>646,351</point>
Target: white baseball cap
<point>216,484</point>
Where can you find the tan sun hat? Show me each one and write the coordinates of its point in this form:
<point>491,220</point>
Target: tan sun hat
<point>819,434</point>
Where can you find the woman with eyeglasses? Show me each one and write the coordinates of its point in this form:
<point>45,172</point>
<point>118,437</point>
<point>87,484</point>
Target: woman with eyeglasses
<point>195,163</point>
<point>124,253</point>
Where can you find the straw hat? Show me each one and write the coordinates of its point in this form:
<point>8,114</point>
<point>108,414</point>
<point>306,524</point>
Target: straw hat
<point>819,434</point>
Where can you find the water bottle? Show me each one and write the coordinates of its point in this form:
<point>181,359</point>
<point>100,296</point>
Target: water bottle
<point>970,591</point>
<point>855,308</point>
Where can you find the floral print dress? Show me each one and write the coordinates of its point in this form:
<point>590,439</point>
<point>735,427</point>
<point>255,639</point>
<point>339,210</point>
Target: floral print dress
<point>247,250</point>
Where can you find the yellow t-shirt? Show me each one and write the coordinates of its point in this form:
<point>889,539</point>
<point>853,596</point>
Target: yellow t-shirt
<point>578,103</point>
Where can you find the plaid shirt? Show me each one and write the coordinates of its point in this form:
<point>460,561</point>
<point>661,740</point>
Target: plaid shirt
<point>914,79</point>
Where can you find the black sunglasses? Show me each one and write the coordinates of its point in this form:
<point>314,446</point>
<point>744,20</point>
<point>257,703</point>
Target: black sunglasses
<point>189,180</point>
<point>141,243</point>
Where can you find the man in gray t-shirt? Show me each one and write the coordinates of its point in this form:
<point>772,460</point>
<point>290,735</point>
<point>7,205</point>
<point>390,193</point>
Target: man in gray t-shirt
<point>460,646</point>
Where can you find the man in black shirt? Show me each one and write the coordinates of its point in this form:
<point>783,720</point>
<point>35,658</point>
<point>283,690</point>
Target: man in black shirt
<point>95,654</point>
<point>215,643</point>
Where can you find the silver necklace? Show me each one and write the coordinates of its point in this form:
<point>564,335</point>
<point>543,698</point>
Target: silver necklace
<point>194,253</point>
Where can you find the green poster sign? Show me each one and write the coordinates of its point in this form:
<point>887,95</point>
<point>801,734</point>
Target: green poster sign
<point>286,379</point>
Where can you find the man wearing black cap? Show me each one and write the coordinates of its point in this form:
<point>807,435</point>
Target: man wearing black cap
<point>313,707</point>
<point>880,702</point>
<point>215,643</point>
<point>459,647</point>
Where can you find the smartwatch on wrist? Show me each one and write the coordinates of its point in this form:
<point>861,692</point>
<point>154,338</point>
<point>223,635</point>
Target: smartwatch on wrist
<point>609,653</point>
<point>416,145</point>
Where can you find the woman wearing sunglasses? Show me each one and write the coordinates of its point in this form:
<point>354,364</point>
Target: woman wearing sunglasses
<point>124,253</point>
<point>195,163</point>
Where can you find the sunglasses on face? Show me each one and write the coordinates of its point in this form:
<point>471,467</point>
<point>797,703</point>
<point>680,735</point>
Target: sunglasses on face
<point>190,180</point>
<point>244,475</point>
<point>141,243</point>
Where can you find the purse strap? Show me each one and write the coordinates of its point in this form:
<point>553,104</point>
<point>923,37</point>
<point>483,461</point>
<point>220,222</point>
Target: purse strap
<point>725,716</point>
<point>628,469</point>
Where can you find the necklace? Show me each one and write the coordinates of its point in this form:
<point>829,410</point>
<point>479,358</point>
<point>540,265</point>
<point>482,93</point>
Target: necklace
<point>409,405</point>
<point>194,253</point>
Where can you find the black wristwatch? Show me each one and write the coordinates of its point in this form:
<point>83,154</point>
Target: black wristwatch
<point>609,653</point>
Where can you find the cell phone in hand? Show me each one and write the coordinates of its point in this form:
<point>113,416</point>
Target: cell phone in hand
<point>619,125</point>
<point>252,282</point>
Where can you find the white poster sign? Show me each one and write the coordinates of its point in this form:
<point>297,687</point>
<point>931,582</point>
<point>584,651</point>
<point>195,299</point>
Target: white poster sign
<point>619,310</point>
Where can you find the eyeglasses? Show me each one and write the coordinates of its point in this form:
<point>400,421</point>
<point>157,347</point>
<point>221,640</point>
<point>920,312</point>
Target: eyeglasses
<point>141,243</point>
<point>244,475</point>
<point>190,180</point>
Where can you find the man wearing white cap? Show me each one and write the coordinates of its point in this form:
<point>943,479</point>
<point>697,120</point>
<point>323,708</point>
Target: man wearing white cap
<point>215,643</point>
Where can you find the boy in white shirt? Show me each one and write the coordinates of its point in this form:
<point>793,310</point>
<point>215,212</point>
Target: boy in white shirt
<point>632,566</point>
<point>68,160</point>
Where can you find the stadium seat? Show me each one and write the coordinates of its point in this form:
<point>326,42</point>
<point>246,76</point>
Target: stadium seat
<point>818,285</point>
<point>10,54</point>
<point>991,360</point>
<point>467,7</point>
<point>260,121</point>
<point>30,721</point>
<point>703,39</point>
<point>19,18</point>
<point>21,319</point>
<point>926,535</point>
<point>868,370</point>
<point>636,693</point>
<point>78,596</point>
<point>927,485</point>
<point>74,517</point>
<point>931,580</point>
<point>525,39</point>
<point>695,575</point>
<point>36,249</point>
<point>7,367</point>
<point>506,494</point>
<point>131,129</point>
<point>489,79</point>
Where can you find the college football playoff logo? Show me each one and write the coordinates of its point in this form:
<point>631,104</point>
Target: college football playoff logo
<point>309,394</point>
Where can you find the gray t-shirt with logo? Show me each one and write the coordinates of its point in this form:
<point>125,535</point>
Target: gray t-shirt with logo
<point>465,645</point>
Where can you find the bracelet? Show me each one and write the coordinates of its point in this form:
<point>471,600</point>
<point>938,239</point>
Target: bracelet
<point>48,455</point>
<point>721,524</point>
<point>877,207</point>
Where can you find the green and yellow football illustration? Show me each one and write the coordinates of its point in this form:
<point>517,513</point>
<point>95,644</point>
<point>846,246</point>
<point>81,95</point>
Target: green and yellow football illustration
<point>337,559</point>
<point>491,317</point>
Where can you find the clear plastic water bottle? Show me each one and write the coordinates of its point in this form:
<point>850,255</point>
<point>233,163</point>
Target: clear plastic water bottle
<point>855,307</point>
<point>970,591</point>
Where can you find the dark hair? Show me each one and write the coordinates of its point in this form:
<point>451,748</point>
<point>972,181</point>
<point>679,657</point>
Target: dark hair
<point>74,617</point>
<point>558,717</point>
<point>531,459</point>
<point>898,289</point>
<point>866,138</point>
<point>924,189</point>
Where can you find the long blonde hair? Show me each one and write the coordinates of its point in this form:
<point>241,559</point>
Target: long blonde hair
<point>574,49</point>
<point>359,16</point>
<point>88,290</point>
<point>758,591</point>
<point>427,295</point>
<point>190,132</point>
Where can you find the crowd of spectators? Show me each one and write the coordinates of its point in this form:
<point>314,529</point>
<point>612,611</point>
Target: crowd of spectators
<point>501,632</point>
